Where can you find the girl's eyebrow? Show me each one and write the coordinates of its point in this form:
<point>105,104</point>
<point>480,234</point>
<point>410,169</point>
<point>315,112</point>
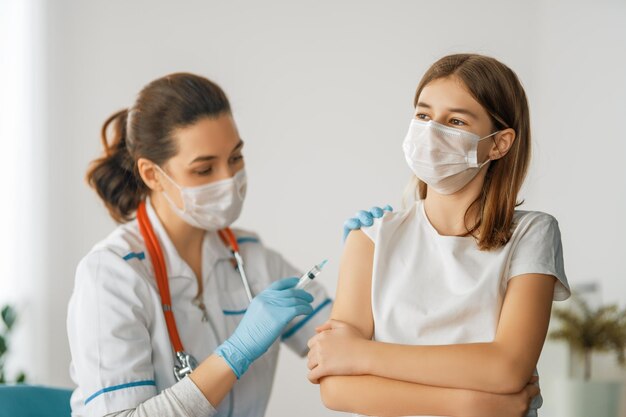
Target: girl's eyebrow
<point>238,146</point>
<point>463,111</point>
<point>451,110</point>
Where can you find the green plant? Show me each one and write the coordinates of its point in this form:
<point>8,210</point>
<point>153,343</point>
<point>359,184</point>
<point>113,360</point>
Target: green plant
<point>9,316</point>
<point>587,330</point>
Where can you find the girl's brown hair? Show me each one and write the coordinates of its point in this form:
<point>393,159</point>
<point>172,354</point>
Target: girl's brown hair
<point>497,88</point>
<point>145,131</point>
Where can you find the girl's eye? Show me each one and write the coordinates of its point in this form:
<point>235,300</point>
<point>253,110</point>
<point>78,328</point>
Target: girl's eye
<point>457,122</point>
<point>236,159</point>
<point>421,116</point>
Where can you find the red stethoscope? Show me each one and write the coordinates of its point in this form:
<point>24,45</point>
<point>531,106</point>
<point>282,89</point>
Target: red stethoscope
<point>186,363</point>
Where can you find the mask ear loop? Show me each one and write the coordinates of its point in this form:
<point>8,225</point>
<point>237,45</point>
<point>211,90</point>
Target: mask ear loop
<point>497,145</point>
<point>180,189</point>
<point>493,138</point>
<point>497,120</point>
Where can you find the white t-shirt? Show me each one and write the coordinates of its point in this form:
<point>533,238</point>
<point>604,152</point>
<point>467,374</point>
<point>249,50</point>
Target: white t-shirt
<point>429,289</point>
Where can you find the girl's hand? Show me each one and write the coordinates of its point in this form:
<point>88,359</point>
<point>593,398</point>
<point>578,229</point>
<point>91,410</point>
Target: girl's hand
<point>482,404</point>
<point>337,349</point>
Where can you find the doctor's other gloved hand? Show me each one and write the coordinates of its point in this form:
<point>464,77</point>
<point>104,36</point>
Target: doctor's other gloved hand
<point>267,316</point>
<point>364,218</point>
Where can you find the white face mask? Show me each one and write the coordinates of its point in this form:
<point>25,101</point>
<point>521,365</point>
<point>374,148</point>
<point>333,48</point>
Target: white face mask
<point>443,157</point>
<point>213,206</point>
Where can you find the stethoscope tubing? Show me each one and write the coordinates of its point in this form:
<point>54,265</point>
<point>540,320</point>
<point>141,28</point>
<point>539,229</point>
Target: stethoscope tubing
<point>186,362</point>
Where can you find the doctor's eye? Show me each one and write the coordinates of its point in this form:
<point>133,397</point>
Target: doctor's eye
<point>207,171</point>
<point>421,116</point>
<point>457,122</point>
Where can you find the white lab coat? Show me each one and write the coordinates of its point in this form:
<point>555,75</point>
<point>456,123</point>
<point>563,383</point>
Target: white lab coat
<point>121,351</point>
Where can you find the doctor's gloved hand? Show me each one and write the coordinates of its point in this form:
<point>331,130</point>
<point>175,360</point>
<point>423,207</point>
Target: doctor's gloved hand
<point>363,218</point>
<point>264,321</point>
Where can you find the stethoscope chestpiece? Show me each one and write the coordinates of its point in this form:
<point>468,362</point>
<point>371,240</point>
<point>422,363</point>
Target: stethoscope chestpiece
<point>186,364</point>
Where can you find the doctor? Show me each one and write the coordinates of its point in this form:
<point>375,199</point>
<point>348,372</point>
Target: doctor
<point>174,313</point>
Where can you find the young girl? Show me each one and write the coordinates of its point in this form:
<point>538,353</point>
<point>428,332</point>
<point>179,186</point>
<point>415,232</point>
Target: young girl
<point>443,308</point>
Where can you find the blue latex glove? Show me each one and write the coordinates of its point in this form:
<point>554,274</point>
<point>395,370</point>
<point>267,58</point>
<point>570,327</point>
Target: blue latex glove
<point>364,219</point>
<point>268,314</point>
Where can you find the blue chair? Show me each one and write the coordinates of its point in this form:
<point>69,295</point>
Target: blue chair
<point>34,401</point>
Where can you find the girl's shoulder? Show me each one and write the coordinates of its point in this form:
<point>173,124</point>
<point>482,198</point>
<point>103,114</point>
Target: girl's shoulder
<point>527,221</point>
<point>536,247</point>
<point>392,221</point>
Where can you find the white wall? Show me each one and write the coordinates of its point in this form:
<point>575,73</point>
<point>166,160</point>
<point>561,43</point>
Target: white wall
<point>322,94</point>
<point>579,173</point>
<point>23,250</point>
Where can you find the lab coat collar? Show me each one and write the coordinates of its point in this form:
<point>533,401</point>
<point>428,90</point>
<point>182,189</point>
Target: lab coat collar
<point>213,249</point>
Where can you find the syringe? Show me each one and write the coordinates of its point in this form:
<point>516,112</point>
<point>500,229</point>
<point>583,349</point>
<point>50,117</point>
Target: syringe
<point>306,279</point>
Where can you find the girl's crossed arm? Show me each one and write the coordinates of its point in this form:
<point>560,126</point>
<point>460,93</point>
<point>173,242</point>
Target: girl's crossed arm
<point>357,374</point>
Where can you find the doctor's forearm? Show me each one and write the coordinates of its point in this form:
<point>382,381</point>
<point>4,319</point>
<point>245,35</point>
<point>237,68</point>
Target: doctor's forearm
<point>214,378</point>
<point>182,399</point>
<point>195,396</point>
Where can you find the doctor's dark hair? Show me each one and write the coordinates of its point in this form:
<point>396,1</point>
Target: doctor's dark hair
<point>497,88</point>
<point>145,131</point>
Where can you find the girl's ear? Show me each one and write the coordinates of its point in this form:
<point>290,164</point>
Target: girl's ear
<point>502,143</point>
<point>148,174</point>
